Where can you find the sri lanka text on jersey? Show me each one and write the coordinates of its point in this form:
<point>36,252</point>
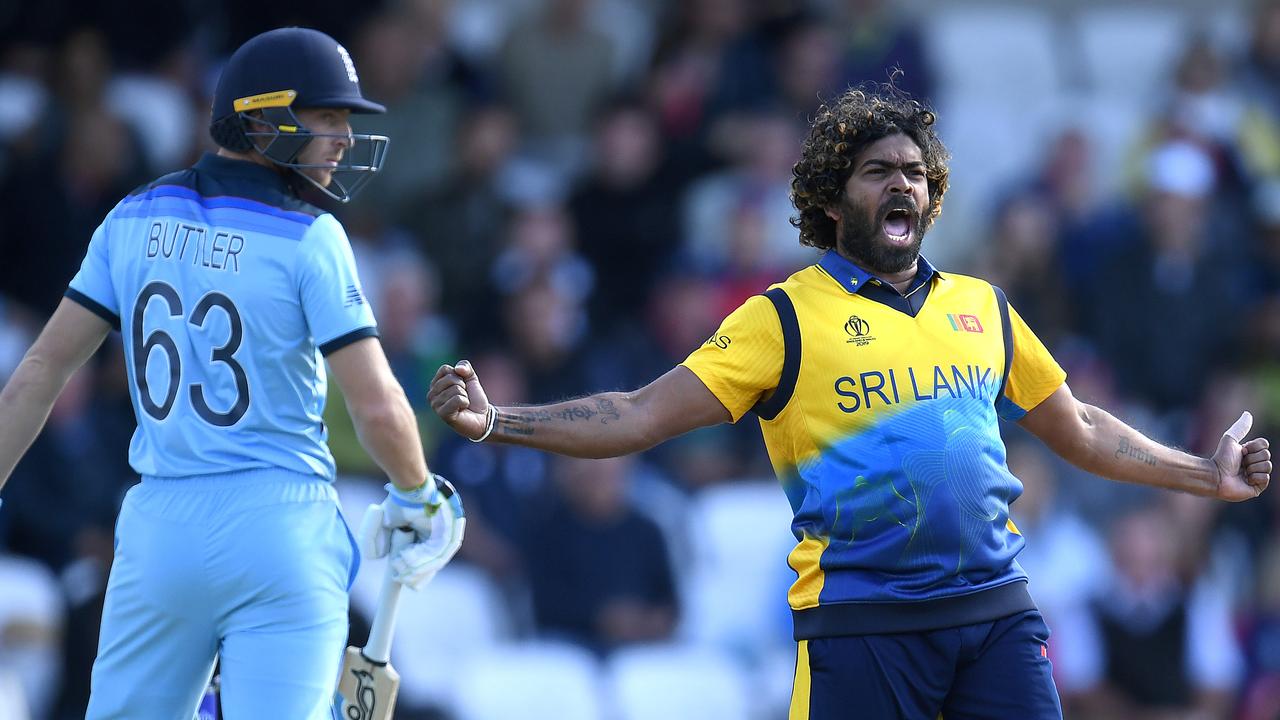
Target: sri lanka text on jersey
<point>891,386</point>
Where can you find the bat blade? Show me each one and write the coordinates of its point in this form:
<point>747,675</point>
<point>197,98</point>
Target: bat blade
<point>368,688</point>
<point>368,684</point>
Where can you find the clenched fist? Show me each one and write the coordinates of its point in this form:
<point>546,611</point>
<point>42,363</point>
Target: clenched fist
<point>459,400</point>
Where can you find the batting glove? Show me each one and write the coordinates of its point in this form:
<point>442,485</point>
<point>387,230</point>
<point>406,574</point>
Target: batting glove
<point>433,513</point>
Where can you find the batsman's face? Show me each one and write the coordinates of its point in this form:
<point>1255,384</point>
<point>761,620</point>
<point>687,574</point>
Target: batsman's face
<point>882,218</point>
<point>333,130</point>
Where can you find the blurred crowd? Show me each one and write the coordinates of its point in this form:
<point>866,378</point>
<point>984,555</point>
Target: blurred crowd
<point>577,191</point>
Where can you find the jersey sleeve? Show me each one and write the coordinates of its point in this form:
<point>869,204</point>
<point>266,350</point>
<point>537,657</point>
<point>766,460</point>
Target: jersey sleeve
<point>333,300</point>
<point>743,359</point>
<point>1033,374</point>
<point>92,286</point>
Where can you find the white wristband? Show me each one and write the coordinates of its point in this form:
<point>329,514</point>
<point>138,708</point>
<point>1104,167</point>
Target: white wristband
<point>491,419</point>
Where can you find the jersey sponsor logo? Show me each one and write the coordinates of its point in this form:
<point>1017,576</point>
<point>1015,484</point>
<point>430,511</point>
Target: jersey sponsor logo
<point>858,330</point>
<point>883,388</point>
<point>720,341</point>
<point>964,323</point>
<point>350,66</point>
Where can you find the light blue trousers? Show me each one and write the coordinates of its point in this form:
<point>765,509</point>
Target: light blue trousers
<point>253,567</point>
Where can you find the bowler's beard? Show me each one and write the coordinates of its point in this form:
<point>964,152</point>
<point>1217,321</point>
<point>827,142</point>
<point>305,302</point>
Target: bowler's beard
<point>861,237</point>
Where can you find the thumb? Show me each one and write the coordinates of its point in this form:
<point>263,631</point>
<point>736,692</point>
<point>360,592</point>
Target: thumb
<point>372,538</point>
<point>1240,429</point>
<point>475,393</point>
<point>464,370</point>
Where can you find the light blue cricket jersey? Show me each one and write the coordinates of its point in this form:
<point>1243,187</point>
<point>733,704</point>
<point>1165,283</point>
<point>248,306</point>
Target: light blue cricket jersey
<point>227,290</point>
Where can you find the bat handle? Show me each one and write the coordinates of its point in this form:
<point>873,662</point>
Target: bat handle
<point>378,649</point>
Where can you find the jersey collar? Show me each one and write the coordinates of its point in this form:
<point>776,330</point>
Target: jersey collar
<point>855,280</point>
<point>241,178</point>
<point>243,170</point>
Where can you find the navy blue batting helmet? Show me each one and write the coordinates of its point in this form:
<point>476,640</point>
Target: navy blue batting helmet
<point>273,74</point>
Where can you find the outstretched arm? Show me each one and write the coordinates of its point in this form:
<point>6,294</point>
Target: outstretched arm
<point>597,426</point>
<point>69,339</point>
<point>1094,440</point>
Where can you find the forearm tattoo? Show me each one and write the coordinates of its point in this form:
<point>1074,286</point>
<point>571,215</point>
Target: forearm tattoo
<point>1125,449</point>
<point>525,421</point>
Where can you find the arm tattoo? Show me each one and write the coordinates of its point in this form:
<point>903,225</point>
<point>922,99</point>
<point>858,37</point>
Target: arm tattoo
<point>1127,450</point>
<point>524,421</point>
<point>510,424</point>
<point>608,411</point>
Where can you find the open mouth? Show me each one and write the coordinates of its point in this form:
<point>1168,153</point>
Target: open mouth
<point>897,226</point>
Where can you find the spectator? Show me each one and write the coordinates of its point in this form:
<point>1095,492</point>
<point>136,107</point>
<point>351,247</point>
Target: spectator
<point>460,220</point>
<point>1163,637</point>
<point>624,211</point>
<point>600,571</point>
<point>1261,697</point>
<point>82,161</point>
<point>1202,105</point>
<point>1022,259</point>
<point>547,326</point>
<point>556,72</point>
<point>1158,278</point>
<point>808,65</point>
<point>760,177</point>
<point>406,63</point>
<point>1259,81</point>
<point>881,40</point>
<point>542,247</point>
<point>703,46</point>
<point>31,630</point>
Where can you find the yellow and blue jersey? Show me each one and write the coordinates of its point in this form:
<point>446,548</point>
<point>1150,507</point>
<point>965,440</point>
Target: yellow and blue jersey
<point>880,412</point>
<point>227,290</point>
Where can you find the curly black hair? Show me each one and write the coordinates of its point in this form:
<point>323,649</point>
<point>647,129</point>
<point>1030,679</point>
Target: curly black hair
<point>842,129</point>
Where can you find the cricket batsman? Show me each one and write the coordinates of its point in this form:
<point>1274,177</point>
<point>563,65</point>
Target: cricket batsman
<point>231,294</point>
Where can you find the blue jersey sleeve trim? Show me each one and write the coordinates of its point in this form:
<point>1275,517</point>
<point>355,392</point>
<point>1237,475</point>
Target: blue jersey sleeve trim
<point>94,307</point>
<point>1007,330</point>
<point>1009,410</point>
<point>770,408</point>
<point>344,340</point>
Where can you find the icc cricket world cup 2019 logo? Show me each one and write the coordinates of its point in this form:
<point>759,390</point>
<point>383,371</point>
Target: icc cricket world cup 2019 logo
<point>362,705</point>
<point>858,330</point>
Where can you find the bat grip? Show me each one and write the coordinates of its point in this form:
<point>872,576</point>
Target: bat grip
<point>378,649</point>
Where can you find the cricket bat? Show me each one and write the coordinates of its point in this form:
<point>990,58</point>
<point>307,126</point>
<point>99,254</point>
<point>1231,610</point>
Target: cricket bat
<point>368,683</point>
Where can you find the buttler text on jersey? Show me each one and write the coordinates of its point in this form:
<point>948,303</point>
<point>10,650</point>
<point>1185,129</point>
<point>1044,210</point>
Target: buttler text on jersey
<point>183,242</point>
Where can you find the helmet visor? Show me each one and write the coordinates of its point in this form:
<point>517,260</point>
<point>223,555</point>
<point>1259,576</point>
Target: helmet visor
<point>341,179</point>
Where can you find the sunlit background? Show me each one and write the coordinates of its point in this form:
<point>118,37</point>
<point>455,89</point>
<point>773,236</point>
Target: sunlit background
<point>577,192</point>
